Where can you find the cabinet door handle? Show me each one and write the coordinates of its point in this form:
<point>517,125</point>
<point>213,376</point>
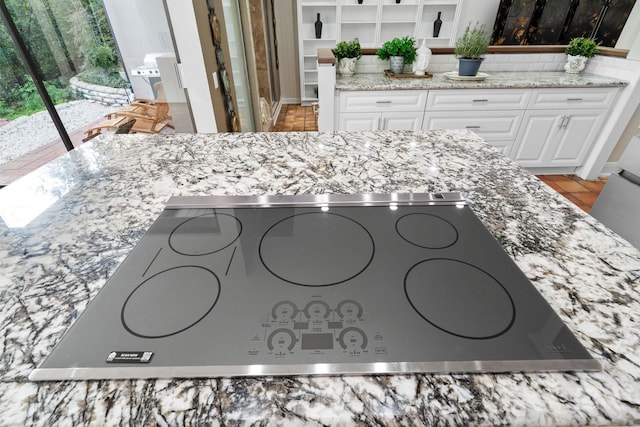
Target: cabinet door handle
<point>567,122</point>
<point>480,100</point>
<point>561,125</point>
<point>383,102</point>
<point>574,99</point>
<point>473,127</point>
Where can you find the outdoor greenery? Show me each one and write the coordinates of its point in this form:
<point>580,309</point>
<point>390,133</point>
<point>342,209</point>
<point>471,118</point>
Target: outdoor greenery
<point>348,50</point>
<point>103,77</point>
<point>582,46</point>
<point>65,38</point>
<point>24,100</point>
<point>473,44</point>
<point>404,46</point>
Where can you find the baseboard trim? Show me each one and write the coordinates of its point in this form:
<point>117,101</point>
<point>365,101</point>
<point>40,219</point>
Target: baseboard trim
<point>609,168</point>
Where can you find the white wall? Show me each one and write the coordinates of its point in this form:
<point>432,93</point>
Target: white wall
<point>481,11</point>
<point>631,29</point>
<point>286,26</point>
<point>140,27</point>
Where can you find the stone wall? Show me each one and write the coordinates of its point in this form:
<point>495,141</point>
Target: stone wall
<point>116,97</point>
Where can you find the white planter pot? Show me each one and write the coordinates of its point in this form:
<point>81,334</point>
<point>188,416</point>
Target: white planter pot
<point>347,66</point>
<point>396,64</point>
<point>575,64</point>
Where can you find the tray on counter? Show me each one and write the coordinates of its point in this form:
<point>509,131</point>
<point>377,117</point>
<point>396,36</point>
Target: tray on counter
<point>389,74</point>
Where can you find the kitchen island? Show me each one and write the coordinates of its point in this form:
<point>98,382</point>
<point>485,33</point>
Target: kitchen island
<point>68,225</point>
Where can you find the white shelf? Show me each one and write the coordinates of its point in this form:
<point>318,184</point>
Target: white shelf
<point>372,23</point>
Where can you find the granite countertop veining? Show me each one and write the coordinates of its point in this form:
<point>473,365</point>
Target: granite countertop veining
<point>67,226</point>
<point>495,80</point>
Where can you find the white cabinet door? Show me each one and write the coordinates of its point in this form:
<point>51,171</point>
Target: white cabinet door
<point>555,138</point>
<point>576,137</point>
<point>401,121</point>
<point>359,121</point>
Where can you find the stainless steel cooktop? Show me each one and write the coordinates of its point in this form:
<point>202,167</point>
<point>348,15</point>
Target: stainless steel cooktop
<point>333,284</point>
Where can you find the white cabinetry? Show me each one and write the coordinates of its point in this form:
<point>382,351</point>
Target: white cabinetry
<point>560,126</point>
<point>373,22</point>
<point>376,21</point>
<point>493,114</point>
<point>383,110</point>
<point>552,128</point>
<point>308,44</point>
<point>553,138</point>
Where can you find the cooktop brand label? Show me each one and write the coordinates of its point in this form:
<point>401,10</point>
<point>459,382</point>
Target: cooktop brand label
<point>129,357</point>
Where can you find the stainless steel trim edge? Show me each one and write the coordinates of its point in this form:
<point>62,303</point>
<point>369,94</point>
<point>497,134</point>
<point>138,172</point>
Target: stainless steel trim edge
<point>381,368</point>
<point>404,199</point>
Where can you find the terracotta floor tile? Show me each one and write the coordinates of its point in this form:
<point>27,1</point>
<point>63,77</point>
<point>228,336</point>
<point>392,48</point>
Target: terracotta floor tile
<point>570,186</point>
<point>586,198</point>
<point>593,185</point>
<point>573,199</point>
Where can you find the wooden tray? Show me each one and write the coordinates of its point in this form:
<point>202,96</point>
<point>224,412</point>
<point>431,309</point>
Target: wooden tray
<point>389,74</point>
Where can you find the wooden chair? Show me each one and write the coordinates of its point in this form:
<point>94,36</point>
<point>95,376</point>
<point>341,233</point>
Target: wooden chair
<point>121,125</point>
<point>149,118</point>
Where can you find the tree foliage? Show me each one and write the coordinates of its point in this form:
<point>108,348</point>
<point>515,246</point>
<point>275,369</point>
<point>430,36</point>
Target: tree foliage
<point>63,37</point>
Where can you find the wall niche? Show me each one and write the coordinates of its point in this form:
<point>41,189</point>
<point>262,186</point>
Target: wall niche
<point>552,22</point>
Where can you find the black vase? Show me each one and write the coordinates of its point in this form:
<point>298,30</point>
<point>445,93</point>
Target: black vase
<point>437,24</point>
<point>318,27</point>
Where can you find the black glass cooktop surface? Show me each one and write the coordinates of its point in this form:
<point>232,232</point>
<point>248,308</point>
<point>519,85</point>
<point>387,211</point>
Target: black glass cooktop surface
<point>284,285</point>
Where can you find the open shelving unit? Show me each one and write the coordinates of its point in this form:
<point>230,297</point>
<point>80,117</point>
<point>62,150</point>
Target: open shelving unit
<point>373,22</point>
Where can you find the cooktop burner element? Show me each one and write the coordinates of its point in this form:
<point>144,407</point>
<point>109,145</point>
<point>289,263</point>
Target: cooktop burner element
<point>459,298</point>
<point>158,307</point>
<point>427,231</point>
<point>332,284</point>
<point>205,234</point>
<point>309,249</point>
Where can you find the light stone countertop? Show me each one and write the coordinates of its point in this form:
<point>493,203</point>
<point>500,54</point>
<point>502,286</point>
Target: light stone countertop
<point>67,226</point>
<point>495,80</point>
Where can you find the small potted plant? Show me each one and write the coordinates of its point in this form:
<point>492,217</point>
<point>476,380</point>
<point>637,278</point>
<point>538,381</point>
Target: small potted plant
<point>399,51</point>
<point>347,53</point>
<point>578,51</point>
<point>470,50</point>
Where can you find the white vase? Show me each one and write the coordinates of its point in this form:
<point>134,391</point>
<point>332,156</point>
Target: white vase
<point>396,64</point>
<point>575,64</point>
<point>347,66</point>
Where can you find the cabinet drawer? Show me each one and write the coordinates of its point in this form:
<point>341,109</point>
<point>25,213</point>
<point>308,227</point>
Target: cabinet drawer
<point>381,101</point>
<point>597,97</point>
<point>487,124</point>
<point>471,99</point>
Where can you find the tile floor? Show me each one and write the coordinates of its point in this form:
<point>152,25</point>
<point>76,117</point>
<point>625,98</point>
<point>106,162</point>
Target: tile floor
<point>293,118</point>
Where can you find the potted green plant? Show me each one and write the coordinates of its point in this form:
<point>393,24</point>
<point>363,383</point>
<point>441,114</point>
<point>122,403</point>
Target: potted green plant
<point>578,51</point>
<point>399,51</point>
<point>347,53</point>
<point>470,49</point>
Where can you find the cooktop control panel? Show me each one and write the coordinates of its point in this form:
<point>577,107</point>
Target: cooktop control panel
<point>316,327</point>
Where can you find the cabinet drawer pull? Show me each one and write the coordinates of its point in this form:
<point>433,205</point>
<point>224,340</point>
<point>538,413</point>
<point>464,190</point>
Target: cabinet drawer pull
<point>480,100</point>
<point>574,99</point>
<point>472,127</point>
<point>383,102</point>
